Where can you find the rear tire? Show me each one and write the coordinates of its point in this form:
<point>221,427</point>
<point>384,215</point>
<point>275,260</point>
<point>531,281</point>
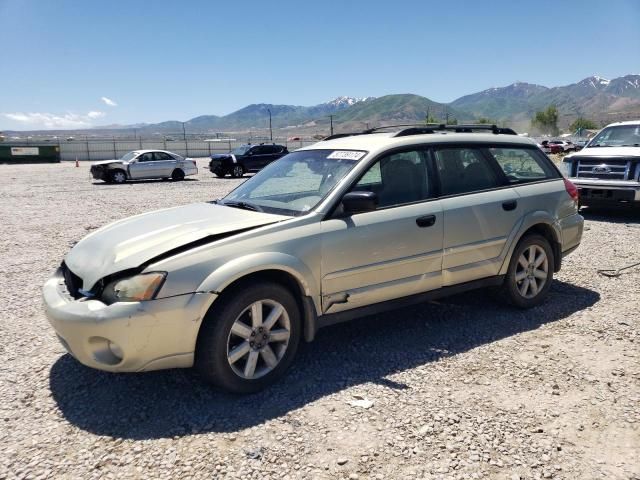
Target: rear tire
<point>177,175</point>
<point>237,171</point>
<point>530,272</point>
<point>243,355</point>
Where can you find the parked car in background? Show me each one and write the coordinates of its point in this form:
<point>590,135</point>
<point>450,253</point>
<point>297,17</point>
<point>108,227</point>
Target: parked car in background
<point>245,158</point>
<point>144,164</point>
<point>561,146</point>
<point>580,144</point>
<point>607,170</point>
<point>347,227</point>
<point>544,146</point>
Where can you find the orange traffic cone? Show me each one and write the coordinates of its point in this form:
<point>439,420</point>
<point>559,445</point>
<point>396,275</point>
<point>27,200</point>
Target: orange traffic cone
<point>77,164</point>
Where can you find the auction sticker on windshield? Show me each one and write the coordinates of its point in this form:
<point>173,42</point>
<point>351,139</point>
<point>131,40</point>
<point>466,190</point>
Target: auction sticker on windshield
<point>347,155</point>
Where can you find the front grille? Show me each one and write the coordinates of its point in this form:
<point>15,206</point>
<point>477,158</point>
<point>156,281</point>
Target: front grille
<point>96,171</point>
<point>604,168</point>
<point>72,281</point>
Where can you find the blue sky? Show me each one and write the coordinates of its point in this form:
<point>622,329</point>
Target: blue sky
<point>165,60</point>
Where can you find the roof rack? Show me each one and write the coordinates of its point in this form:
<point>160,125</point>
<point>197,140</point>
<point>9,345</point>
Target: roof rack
<point>426,128</point>
<point>342,135</point>
<point>462,128</point>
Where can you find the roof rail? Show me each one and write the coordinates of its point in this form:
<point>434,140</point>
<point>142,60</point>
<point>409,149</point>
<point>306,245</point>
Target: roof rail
<point>342,135</point>
<point>462,128</point>
<point>425,128</point>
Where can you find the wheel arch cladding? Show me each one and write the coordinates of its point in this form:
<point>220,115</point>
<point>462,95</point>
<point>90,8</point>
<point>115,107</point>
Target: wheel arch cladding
<point>540,223</point>
<point>547,231</point>
<point>287,271</point>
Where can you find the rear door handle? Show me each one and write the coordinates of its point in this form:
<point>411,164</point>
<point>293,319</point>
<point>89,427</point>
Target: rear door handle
<point>509,205</point>
<point>426,221</point>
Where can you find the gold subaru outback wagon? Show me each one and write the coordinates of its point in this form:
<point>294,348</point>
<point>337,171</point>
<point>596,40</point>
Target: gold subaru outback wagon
<point>349,226</point>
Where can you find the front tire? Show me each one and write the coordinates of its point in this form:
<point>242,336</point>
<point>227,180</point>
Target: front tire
<point>249,337</point>
<point>118,176</point>
<point>530,272</point>
<point>219,173</point>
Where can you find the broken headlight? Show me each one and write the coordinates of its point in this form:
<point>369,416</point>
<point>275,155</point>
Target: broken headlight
<point>135,289</point>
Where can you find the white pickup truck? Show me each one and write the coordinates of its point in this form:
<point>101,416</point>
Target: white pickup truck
<point>607,170</point>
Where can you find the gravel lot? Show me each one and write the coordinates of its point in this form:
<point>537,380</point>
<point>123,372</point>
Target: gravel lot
<point>461,388</point>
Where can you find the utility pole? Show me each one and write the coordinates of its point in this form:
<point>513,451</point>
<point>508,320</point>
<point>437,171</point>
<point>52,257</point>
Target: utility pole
<point>270,130</point>
<point>331,120</point>
<point>184,133</point>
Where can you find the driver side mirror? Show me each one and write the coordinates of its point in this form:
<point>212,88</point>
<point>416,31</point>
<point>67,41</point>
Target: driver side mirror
<point>359,202</point>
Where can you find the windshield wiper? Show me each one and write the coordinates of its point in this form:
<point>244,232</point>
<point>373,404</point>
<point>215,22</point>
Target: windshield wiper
<point>243,205</point>
<point>631,145</point>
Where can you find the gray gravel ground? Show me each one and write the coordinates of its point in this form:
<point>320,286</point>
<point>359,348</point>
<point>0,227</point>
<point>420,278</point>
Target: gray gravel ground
<point>462,388</point>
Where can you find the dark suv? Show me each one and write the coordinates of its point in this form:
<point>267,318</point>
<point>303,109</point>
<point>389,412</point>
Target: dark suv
<point>246,158</point>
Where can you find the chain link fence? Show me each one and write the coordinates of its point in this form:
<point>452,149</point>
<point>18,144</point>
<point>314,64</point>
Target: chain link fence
<point>95,150</point>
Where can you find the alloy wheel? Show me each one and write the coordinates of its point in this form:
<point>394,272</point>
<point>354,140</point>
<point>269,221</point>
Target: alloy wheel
<point>532,271</point>
<point>119,177</point>
<point>238,171</point>
<point>258,339</point>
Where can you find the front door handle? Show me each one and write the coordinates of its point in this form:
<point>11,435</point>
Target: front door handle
<point>509,205</point>
<point>426,221</point>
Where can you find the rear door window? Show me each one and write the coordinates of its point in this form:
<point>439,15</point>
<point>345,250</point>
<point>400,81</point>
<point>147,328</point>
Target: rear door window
<point>163,156</point>
<point>268,149</point>
<point>522,165</point>
<point>463,170</point>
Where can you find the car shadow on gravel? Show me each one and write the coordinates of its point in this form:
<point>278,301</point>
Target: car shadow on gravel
<point>139,182</point>
<point>176,402</point>
<point>615,214</point>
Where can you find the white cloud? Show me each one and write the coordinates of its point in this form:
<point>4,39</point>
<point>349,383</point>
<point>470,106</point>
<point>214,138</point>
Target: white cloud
<point>52,120</point>
<point>108,101</point>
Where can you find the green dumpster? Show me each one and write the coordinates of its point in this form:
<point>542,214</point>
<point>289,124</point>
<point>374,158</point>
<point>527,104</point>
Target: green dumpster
<point>29,154</point>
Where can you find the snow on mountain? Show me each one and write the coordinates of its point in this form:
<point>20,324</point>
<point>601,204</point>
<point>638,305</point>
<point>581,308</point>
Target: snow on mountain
<point>343,102</point>
<point>595,81</point>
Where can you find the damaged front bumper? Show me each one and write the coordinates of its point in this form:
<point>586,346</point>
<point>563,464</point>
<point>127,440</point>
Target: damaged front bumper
<point>126,336</point>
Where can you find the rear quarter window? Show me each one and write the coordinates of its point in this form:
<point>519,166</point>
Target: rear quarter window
<point>523,165</point>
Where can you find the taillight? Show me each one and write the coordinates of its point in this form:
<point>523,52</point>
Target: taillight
<point>571,189</point>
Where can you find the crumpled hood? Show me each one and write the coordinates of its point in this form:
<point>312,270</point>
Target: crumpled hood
<point>130,242</point>
<point>608,152</point>
<point>106,162</point>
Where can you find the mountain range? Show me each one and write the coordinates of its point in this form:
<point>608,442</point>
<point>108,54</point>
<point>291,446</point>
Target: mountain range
<point>594,97</point>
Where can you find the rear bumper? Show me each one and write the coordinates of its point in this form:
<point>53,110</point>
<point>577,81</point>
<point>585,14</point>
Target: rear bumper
<point>126,336</point>
<point>571,228</point>
<point>190,170</point>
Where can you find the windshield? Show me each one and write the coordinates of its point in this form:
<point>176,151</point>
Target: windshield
<point>618,136</point>
<point>129,156</point>
<point>297,182</point>
<point>241,150</point>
